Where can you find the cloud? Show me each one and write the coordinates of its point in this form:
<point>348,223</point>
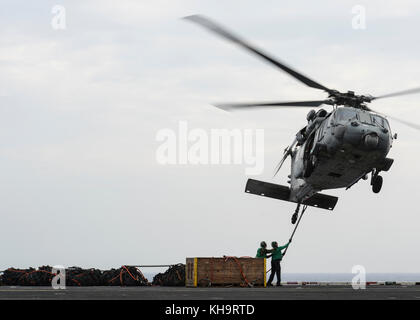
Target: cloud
<point>80,109</point>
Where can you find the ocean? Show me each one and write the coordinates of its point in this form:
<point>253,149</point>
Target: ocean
<point>336,277</point>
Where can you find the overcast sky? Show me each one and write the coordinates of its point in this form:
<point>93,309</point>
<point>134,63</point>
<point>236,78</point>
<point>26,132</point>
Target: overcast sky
<point>80,109</point>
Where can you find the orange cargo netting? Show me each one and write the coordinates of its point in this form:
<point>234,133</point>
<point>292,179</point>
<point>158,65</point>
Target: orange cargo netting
<point>128,276</point>
<point>240,268</point>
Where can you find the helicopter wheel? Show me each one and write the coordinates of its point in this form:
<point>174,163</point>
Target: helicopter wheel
<point>377,183</point>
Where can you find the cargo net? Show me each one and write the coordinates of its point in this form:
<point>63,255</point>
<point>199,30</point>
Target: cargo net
<point>173,277</point>
<point>75,276</point>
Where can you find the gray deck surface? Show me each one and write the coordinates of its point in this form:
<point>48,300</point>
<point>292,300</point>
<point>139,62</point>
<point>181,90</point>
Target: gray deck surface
<point>182,293</point>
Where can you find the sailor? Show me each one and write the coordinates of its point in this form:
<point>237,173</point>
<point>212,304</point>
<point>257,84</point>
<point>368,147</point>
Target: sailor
<point>276,257</point>
<point>303,133</point>
<point>314,120</point>
<point>262,250</point>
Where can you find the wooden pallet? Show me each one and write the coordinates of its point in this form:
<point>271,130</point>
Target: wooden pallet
<point>226,271</point>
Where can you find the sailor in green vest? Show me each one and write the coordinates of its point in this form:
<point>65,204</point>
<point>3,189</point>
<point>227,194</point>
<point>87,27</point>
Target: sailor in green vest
<point>262,250</point>
<point>276,256</point>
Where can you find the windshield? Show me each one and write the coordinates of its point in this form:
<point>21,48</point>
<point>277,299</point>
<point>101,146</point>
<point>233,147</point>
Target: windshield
<point>376,119</point>
<point>345,114</point>
<point>364,117</point>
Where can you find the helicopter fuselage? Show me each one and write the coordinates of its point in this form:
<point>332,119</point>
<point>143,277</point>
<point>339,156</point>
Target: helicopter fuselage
<point>347,145</point>
<point>335,150</point>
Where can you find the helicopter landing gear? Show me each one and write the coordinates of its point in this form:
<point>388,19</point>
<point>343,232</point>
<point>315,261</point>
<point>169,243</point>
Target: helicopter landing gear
<point>295,215</point>
<point>376,182</point>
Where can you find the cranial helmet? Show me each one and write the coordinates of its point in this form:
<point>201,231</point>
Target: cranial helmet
<point>310,115</point>
<point>322,113</point>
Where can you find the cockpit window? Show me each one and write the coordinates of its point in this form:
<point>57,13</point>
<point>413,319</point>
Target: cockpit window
<point>364,117</point>
<point>376,119</point>
<point>345,114</point>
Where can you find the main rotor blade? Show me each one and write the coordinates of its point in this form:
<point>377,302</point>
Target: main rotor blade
<point>251,105</point>
<point>399,93</point>
<point>212,26</point>
<point>407,123</point>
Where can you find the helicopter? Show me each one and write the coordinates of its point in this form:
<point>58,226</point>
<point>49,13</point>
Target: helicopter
<point>335,149</point>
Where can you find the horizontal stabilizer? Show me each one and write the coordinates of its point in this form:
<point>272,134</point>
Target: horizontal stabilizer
<point>323,201</point>
<point>276,191</point>
<point>267,189</point>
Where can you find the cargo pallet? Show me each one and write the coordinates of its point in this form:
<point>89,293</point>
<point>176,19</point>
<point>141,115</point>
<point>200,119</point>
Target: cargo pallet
<point>226,271</point>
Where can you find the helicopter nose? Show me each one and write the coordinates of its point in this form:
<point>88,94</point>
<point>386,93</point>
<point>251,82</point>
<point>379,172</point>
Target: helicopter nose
<point>371,140</point>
